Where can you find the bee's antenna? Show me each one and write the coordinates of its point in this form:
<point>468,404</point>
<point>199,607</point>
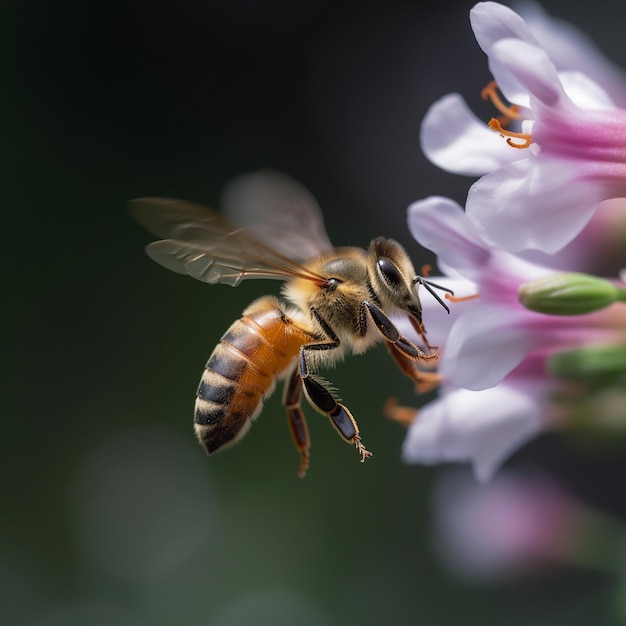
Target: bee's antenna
<point>428,285</point>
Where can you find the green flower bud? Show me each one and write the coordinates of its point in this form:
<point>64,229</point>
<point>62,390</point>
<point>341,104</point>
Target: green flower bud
<point>569,294</point>
<point>593,364</point>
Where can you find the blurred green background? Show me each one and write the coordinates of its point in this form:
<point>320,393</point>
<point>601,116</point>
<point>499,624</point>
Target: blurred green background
<point>112,514</point>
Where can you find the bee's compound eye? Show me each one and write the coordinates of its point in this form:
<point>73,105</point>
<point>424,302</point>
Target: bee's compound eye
<point>389,272</point>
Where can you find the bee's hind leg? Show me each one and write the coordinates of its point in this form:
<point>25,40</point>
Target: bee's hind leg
<point>340,417</point>
<point>322,400</point>
<point>297,422</point>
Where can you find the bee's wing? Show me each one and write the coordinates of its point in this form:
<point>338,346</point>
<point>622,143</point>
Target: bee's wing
<point>279,211</point>
<point>201,243</point>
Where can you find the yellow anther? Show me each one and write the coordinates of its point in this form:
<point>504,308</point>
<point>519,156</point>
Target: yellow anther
<point>525,138</point>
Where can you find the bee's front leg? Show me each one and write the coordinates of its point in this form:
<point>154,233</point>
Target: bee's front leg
<point>391,334</point>
<point>321,398</point>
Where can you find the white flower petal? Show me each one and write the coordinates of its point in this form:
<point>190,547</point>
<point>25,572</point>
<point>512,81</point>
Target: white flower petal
<point>535,203</point>
<point>572,49</point>
<point>484,345</point>
<point>585,92</point>
<point>480,427</point>
<point>531,67</point>
<point>455,140</point>
<point>492,22</point>
<point>440,225</point>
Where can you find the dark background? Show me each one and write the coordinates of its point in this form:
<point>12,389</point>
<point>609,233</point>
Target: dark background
<point>112,513</point>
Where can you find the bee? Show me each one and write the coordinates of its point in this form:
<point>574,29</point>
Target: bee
<point>336,301</point>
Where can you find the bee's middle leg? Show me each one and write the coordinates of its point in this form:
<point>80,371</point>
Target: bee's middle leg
<point>425,381</point>
<point>321,398</point>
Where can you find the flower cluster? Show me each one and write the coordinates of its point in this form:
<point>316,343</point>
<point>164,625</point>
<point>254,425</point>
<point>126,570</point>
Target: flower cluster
<point>534,333</point>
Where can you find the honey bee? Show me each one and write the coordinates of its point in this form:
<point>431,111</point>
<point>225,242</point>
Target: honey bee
<point>337,301</point>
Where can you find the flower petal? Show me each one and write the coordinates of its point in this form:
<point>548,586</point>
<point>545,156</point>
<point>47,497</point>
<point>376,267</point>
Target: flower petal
<point>535,203</point>
<point>480,427</point>
<point>492,22</point>
<point>530,67</point>
<point>485,344</point>
<point>440,225</point>
<point>584,92</point>
<point>572,49</point>
<point>455,140</point>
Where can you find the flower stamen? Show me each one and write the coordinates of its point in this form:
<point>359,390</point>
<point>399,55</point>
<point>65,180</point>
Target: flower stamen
<point>403,415</point>
<point>527,139</point>
<point>455,299</point>
<point>509,112</point>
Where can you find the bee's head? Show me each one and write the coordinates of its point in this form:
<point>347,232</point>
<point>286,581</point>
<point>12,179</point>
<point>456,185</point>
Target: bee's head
<point>395,282</point>
<point>393,277</point>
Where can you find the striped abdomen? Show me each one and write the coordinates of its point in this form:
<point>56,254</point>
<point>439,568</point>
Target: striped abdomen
<point>254,351</point>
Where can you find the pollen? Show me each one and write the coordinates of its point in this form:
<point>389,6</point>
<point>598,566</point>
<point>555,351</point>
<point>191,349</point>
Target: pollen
<point>509,113</point>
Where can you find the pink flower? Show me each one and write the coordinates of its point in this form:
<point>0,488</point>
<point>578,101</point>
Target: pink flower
<point>573,50</point>
<point>492,334</point>
<point>519,523</point>
<point>598,249</point>
<point>496,389</point>
<point>482,428</point>
<point>539,196</point>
